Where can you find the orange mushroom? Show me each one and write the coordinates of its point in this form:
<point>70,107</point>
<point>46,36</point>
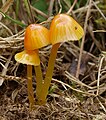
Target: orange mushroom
<point>29,58</point>
<point>36,36</point>
<point>63,28</point>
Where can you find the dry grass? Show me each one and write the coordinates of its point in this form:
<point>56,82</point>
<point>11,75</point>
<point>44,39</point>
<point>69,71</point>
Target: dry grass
<point>70,98</point>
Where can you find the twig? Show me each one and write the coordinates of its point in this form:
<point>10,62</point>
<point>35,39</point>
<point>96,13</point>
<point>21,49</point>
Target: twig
<point>55,80</point>
<point>99,10</point>
<point>60,6</point>
<point>84,9</point>
<point>99,70</point>
<point>97,43</point>
<point>4,71</point>
<point>51,7</point>
<point>72,78</point>
<point>12,41</point>
<point>6,6</point>
<point>83,39</point>
<point>6,28</point>
<point>101,79</point>
<point>101,104</point>
<point>73,46</point>
<point>29,5</point>
<point>2,65</point>
<point>99,31</point>
<point>39,12</point>
<point>71,8</point>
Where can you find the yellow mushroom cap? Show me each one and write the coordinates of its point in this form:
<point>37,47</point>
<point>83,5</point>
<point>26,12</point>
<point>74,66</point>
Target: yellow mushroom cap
<point>36,36</point>
<point>28,57</point>
<point>64,28</point>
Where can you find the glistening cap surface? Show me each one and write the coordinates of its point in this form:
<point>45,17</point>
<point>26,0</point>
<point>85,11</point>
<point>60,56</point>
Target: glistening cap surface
<point>36,36</point>
<point>28,57</point>
<point>64,28</point>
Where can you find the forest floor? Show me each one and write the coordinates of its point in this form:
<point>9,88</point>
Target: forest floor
<point>70,97</point>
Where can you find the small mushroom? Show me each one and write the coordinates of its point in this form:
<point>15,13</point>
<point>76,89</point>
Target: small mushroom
<point>63,28</point>
<point>29,58</point>
<point>36,36</point>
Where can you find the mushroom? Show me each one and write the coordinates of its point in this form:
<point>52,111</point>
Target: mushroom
<point>29,58</point>
<point>36,36</point>
<point>63,28</point>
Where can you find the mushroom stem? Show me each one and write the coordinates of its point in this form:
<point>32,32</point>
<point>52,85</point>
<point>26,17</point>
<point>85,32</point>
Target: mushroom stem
<point>48,78</point>
<point>29,86</point>
<point>39,80</point>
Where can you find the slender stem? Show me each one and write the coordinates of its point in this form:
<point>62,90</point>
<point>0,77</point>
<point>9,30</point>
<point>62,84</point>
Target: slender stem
<point>48,78</point>
<point>29,86</point>
<point>39,80</point>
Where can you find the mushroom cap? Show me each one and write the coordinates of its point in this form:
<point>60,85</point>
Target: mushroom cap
<point>36,36</point>
<point>28,57</point>
<point>64,28</point>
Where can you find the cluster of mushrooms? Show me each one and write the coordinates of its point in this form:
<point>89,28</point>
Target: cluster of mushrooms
<point>63,28</point>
